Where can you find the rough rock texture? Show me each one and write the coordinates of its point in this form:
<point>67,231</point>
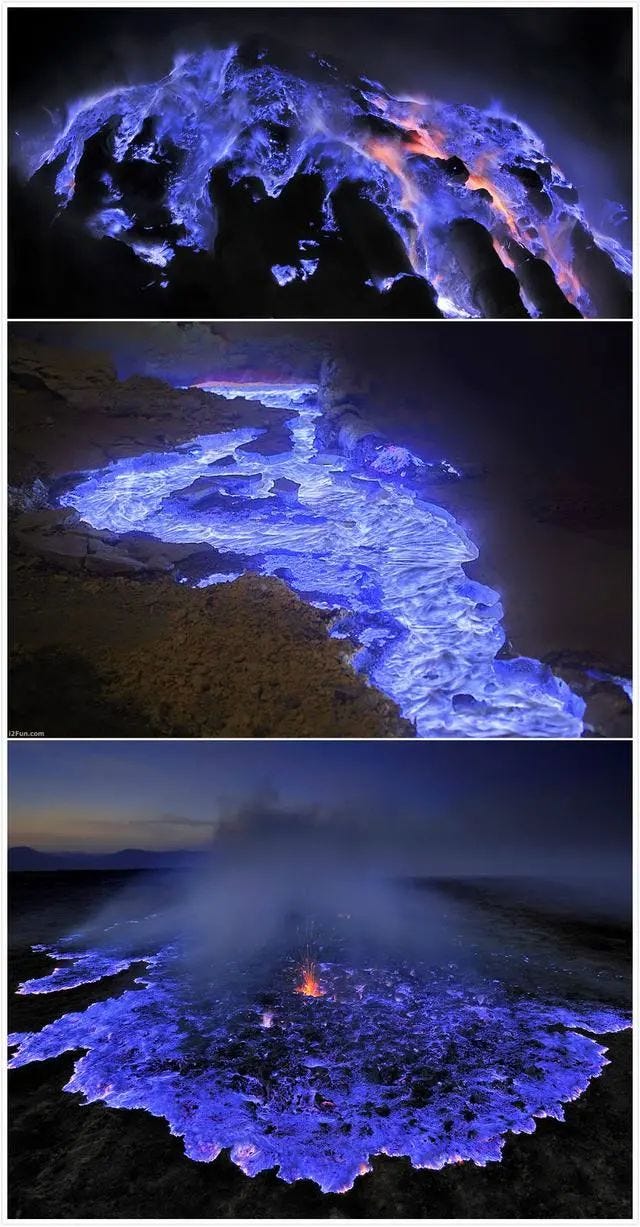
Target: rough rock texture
<point>68,412</point>
<point>494,288</point>
<point>342,391</point>
<point>609,710</point>
<point>188,351</point>
<point>115,657</point>
<point>59,536</point>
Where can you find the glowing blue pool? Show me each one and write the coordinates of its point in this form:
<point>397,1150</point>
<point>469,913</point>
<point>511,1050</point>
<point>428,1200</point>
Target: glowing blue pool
<point>412,1060</point>
<point>358,540</point>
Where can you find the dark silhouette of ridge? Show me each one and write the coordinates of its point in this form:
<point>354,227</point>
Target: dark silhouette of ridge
<point>24,859</point>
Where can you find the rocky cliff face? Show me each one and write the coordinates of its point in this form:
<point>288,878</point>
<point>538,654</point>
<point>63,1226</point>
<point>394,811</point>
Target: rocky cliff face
<point>68,411</point>
<point>257,181</point>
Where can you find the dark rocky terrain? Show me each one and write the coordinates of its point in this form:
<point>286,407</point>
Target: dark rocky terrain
<point>158,659</point>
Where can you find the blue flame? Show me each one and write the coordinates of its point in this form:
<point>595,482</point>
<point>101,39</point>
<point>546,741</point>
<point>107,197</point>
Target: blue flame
<point>407,1061</point>
<point>361,538</point>
<point>267,124</point>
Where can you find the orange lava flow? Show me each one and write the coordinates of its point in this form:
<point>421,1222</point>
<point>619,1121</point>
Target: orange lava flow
<point>433,144</point>
<point>392,157</point>
<point>309,985</point>
<point>478,179</point>
<point>567,280</point>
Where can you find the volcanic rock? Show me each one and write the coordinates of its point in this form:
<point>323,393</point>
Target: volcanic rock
<point>50,517</point>
<point>567,192</point>
<point>454,168</point>
<point>160,555</point>
<point>287,489</point>
<point>536,195</point>
<point>608,288</point>
<point>106,561</point>
<point>66,550</point>
<point>539,284</point>
<point>366,228</point>
<point>108,648</point>
<point>30,496</point>
<point>608,708</point>
<point>202,488</point>
<point>494,288</point>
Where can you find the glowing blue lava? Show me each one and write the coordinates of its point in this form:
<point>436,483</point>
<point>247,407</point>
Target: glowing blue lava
<point>267,124</point>
<point>362,540</point>
<point>408,1061</point>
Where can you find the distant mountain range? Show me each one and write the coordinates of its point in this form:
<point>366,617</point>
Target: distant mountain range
<point>23,859</point>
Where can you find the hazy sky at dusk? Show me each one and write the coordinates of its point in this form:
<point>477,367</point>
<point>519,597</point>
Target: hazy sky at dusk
<point>441,807</point>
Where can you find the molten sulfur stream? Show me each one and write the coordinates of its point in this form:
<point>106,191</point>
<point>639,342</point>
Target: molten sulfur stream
<point>309,984</point>
<point>217,109</point>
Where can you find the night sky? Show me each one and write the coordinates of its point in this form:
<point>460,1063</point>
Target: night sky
<point>548,809</point>
<point>566,72</point>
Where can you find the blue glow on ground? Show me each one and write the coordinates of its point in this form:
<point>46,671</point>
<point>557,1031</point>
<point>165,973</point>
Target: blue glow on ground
<point>269,124</point>
<point>359,539</point>
<point>284,273</point>
<point>412,1060</point>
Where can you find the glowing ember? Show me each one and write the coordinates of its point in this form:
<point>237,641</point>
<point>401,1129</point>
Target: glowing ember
<point>309,984</point>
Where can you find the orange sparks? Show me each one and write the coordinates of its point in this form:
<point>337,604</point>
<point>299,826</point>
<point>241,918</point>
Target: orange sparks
<point>309,985</point>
